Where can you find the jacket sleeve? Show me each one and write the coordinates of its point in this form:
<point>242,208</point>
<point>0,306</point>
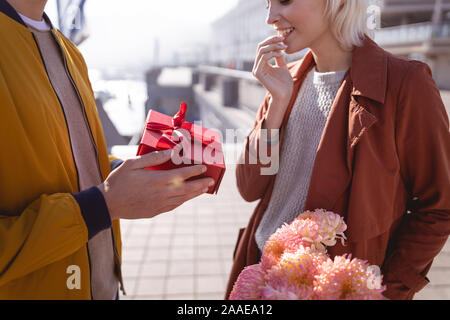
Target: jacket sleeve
<point>49,229</point>
<point>423,143</point>
<point>114,162</point>
<point>252,180</point>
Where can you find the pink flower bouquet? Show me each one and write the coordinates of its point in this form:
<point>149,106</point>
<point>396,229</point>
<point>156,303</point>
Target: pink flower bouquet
<point>295,265</point>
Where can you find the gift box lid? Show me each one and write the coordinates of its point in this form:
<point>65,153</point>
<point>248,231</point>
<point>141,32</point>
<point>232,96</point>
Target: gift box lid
<point>158,124</point>
<point>164,132</point>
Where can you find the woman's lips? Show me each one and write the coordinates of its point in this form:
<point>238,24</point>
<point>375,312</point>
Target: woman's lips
<point>285,32</point>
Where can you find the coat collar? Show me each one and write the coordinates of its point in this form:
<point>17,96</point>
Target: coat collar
<point>9,11</point>
<point>368,71</point>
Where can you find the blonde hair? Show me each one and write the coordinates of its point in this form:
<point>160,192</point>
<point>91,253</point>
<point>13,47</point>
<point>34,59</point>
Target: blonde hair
<point>348,21</point>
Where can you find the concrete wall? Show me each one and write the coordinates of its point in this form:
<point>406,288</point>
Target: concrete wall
<point>167,88</point>
<point>227,99</point>
<point>441,71</point>
<point>251,94</point>
<point>214,115</point>
<point>446,99</point>
<point>112,136</point>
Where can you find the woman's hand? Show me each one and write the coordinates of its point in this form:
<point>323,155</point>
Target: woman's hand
<point>275,78</point>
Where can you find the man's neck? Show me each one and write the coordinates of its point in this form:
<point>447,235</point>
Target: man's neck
<point>32,9</point>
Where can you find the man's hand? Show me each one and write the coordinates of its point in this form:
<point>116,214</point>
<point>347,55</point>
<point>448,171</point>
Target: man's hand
<point>131,192</point>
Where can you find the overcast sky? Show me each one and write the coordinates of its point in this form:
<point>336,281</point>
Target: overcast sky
<point>123,32</point>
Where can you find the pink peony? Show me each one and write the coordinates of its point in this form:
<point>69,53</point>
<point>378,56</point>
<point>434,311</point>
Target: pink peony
<point>294,265</point>
<point>347,279</point>
<point>249,283</point>
<point>309,231</point>
<point>331,225</point>
<point>282,293</point>
<point>275,246</point>
<point>289,238</point>
<point>293,277</point>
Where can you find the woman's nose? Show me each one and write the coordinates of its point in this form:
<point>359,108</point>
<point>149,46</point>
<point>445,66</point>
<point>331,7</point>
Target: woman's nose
<point>272,15</point>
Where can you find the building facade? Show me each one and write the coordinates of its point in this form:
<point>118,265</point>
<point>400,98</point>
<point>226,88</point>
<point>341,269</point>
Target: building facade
<point>416,29</point>
<point>236,35</point>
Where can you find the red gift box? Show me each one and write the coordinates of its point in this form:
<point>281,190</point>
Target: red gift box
<point>198,145</point>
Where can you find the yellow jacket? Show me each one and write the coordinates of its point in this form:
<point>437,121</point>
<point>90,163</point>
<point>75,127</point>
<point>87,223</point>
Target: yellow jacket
<point>42,228</point>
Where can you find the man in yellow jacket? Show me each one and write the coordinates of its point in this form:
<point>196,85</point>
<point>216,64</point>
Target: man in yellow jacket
<point>60,204</point>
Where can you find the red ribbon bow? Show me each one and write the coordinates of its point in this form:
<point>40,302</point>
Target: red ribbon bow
<point>178,122</point>
<point>180,117</point>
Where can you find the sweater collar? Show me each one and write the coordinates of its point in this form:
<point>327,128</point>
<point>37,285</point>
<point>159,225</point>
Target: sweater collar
<point>368,71</point>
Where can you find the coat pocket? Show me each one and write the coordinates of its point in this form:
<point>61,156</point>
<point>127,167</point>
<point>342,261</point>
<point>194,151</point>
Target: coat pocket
<point>241,232</point>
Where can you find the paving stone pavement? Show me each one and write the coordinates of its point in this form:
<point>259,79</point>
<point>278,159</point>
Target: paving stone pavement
<point>186,254</point>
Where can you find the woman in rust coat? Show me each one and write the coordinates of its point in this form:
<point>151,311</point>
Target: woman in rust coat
<point>383,157</point>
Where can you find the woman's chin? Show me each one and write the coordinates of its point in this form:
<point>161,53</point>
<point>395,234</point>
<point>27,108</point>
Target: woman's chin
<point>294,49</point>
<point>294,46</point>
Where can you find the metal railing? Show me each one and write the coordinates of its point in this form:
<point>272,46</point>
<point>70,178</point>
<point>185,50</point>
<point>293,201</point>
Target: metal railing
<point>229,73</point>
<point>412,33</point>
<point>236,88</point>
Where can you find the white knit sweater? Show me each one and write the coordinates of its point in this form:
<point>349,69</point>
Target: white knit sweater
<point>298,152</point>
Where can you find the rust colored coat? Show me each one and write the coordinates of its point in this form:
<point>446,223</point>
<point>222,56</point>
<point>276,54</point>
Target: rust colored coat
<point>383,163</point>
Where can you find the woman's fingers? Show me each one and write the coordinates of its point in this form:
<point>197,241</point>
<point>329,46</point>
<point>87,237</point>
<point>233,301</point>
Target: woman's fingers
<point>275,78</point>
<point>272,47</point>
<point>269,48</point>
<point>270,40</point>
<point>281,62</point>
<point>270,44</point>
<point>266,52</point>
<point>265,58</point>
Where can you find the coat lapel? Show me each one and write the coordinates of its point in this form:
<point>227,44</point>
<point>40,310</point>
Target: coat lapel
<point>332,172</point>
<point>353,113</point>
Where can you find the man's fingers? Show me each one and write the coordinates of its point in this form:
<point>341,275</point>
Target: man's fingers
<point>188,187</point>
<point>178,176</point>
<point>151,159</point>
<point>177,201</point>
